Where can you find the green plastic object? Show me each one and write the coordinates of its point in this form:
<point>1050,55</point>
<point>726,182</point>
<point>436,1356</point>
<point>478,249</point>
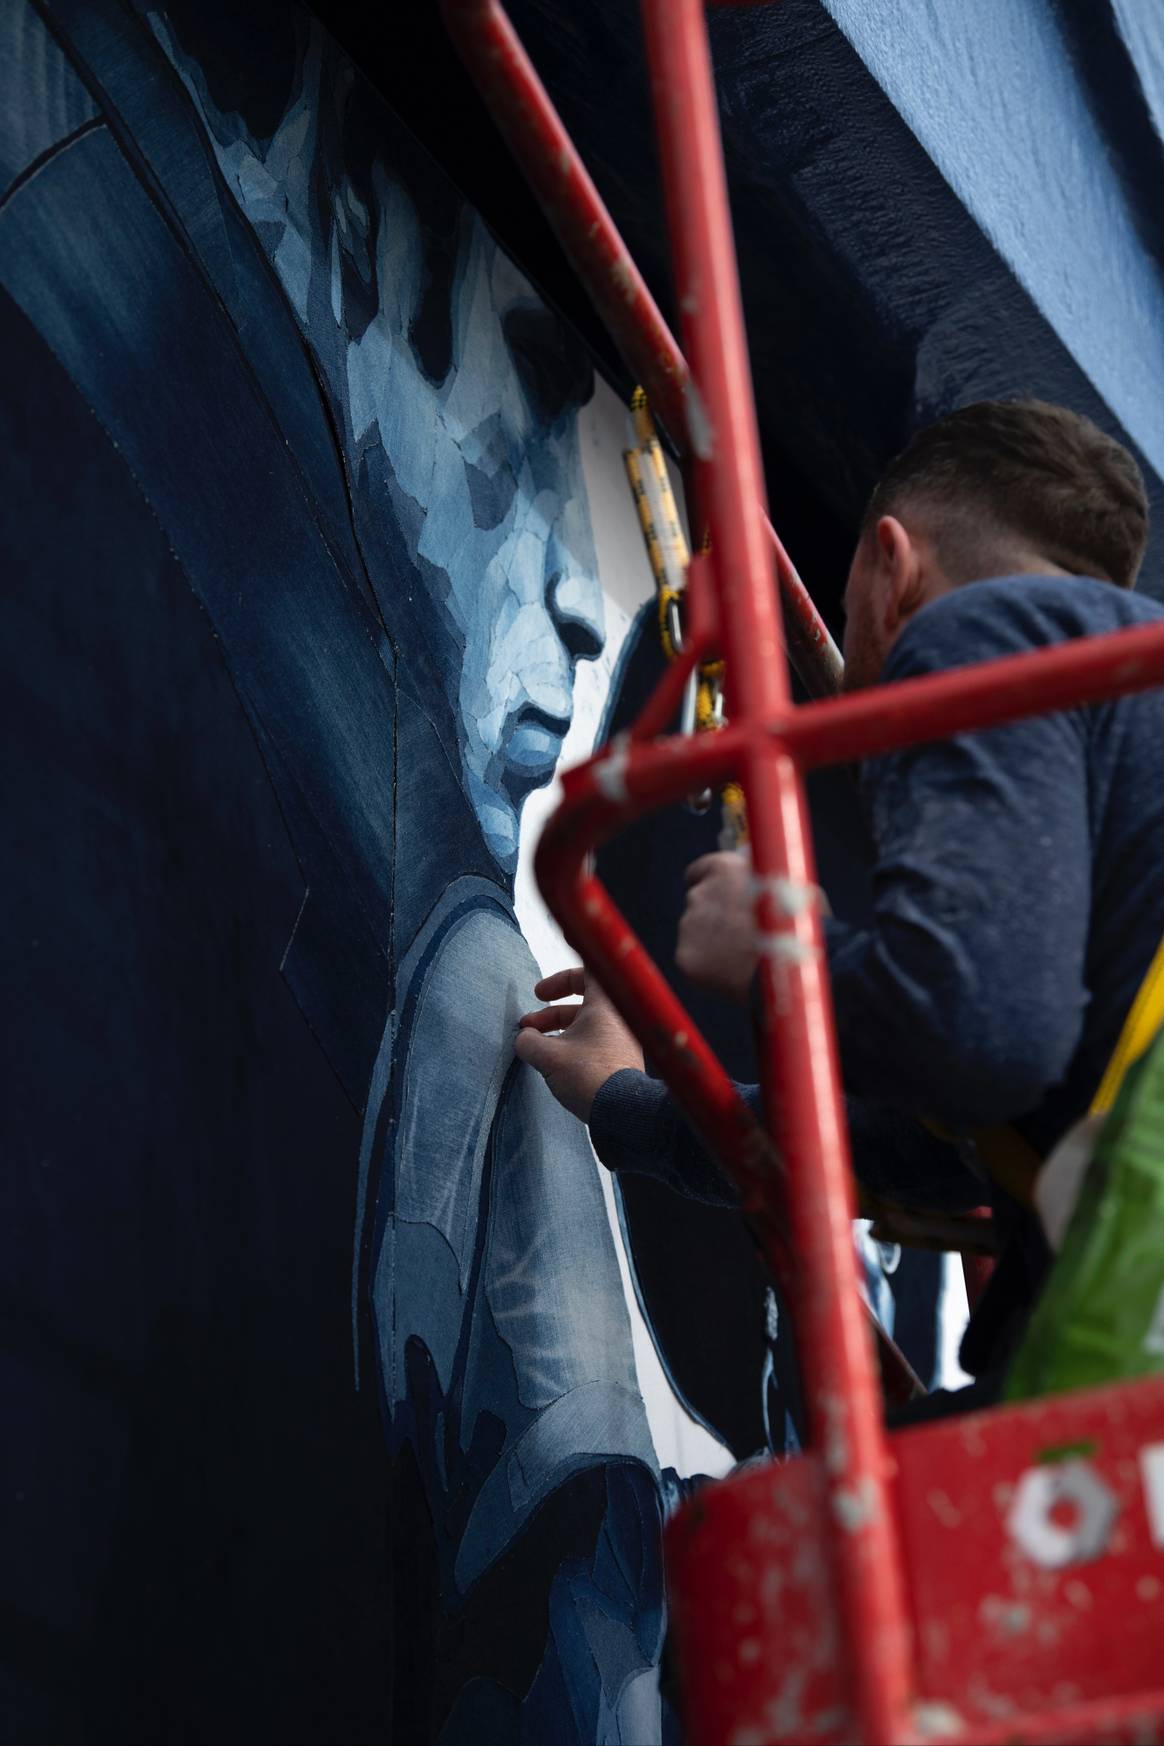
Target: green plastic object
<point>1100,1316</point>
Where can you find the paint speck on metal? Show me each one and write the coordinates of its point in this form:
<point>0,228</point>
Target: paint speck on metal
<point>973,1442</point>
<point>698,425</point>
<point>785,1711</point>
<point>1152,1471</point>
<point>945,1509</point>
<point>936,1637</point>
<point>610,774</point>
<point>792,897</point>
<point>836,1447</point>
<point>1078,1595</point>
<point>856,1507</point>
<point>937,1721</point>
<point>990,1702</point>
<point>1009,1618</point>
<point>622,274</point>
<point>786,948</point>
<point>1148,1588</point>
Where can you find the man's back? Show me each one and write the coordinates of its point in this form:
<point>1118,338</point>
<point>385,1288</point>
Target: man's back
<point>1019,899</point>
<point>1023,866</point>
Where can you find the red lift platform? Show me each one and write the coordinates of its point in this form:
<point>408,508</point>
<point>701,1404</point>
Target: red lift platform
<point>994,1577</point>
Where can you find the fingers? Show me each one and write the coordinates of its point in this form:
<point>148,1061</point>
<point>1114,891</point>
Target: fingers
<point>535,1050</point>
<point>702,869</point>
<point>709,864</point>
<point>698,870</point>
<point>549,1018</point>
<point>561,983</point>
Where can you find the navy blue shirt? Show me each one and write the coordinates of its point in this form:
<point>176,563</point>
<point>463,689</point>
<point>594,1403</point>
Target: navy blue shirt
<point>1018,899</point>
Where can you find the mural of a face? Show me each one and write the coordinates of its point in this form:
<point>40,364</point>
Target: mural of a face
<point>486,459</point>
<point>470,479</point>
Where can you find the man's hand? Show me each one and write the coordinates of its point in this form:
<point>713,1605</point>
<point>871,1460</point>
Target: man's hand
<point>717,930</point>
<point>595,1043</point>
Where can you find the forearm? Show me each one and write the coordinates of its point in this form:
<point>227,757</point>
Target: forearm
<point>636,1127</point>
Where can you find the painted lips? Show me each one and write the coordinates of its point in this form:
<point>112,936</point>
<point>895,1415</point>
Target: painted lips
<point>534,744</point>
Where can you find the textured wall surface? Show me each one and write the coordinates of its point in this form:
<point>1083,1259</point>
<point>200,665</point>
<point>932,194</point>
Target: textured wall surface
<point>1015,102</point>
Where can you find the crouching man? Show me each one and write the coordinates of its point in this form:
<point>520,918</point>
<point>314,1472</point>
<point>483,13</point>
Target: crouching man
<point>1019,876</point>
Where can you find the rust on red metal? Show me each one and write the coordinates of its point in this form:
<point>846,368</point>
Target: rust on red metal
<point>872,1589</point>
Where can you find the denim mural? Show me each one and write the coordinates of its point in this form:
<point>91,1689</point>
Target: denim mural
<point>501,1338</point>
<point>410,675</point>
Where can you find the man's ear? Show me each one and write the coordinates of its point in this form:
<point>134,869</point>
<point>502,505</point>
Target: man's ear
<point>901,562</point>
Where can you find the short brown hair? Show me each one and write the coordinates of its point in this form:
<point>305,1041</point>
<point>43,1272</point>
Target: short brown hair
<point>1006,469</point>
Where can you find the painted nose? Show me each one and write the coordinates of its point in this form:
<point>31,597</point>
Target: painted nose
<point>576,609</point>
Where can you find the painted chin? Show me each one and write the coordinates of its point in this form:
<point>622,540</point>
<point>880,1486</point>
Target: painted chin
<point>533,747</point>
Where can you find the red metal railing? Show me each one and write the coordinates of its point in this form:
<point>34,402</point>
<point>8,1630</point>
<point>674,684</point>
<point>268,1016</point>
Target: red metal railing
<point>507,80</point>
<point>799,1195</point>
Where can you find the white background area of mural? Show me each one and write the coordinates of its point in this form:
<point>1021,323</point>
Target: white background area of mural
<point>604,430</point>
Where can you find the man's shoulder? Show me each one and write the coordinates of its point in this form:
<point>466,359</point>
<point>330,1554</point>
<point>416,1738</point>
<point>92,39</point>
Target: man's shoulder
<point>1007,615</point>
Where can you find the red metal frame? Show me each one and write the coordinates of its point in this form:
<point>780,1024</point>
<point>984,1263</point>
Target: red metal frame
<point>798,1195</point>
<point>506,78</point>
<point>1008,1645</point>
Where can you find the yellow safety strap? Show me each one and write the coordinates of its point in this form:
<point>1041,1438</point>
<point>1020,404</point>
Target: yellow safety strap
<point>671,540</point>
<point>1140,1027</point>
<point>668,556</point>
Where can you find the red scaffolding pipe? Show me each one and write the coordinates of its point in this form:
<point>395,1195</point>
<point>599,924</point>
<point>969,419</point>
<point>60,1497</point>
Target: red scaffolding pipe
<point>549,160</point>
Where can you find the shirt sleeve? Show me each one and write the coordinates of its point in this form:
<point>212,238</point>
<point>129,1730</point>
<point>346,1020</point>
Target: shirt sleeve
<point>964,1000</point>
<point>636,1127</point>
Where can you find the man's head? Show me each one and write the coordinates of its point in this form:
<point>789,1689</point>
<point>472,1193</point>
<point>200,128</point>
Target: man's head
<point>1001,488</point>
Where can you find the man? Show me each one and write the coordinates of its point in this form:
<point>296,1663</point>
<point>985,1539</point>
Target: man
<point>1019,881</point>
